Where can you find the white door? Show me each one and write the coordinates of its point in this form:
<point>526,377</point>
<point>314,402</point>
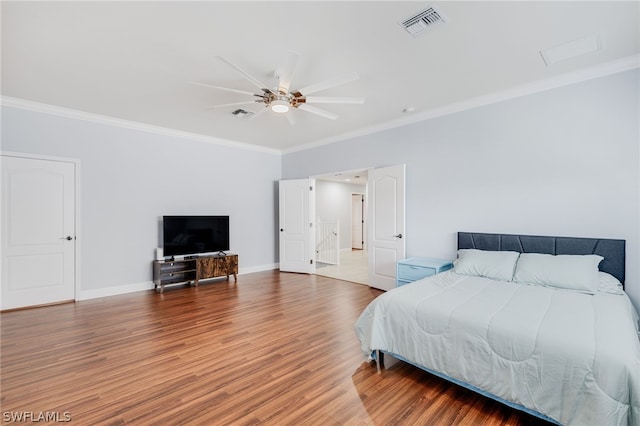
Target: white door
<point>357,221</point>
<point>38,232</point>
<point>297,233</point>
<point>386,203</point>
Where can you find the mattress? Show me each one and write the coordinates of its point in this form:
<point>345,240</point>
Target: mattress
<point>569,356</point>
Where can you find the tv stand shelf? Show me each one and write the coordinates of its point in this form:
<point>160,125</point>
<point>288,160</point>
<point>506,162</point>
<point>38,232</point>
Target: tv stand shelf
<point>193,270</point>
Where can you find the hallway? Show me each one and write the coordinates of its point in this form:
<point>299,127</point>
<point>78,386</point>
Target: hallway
<point>353,267</point>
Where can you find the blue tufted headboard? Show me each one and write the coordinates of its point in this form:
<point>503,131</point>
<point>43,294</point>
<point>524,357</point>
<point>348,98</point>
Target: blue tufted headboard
<point>613,251</point>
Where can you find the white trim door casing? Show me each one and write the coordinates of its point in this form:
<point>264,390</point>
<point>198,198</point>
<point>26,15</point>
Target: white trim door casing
<point>296,225</point>
<point>38,231</point>
<point>357,221</point>
<point>386,217</point>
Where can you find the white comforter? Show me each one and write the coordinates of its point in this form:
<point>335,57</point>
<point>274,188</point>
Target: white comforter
<point>573,357</point>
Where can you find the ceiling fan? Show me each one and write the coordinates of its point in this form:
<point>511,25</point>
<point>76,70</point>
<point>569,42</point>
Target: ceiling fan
<point>282,98</point>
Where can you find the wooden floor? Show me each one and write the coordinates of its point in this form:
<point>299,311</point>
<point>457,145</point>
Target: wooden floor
<point>270,349</point>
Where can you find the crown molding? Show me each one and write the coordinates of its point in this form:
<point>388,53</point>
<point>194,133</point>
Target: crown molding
<point>125,124</point>
<point>602,70</point>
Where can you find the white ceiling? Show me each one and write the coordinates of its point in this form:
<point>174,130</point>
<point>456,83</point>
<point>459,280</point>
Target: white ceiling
<point>353,177</point>
<point>134,61</point>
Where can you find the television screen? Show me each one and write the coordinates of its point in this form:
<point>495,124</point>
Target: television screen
<point>188,235</point>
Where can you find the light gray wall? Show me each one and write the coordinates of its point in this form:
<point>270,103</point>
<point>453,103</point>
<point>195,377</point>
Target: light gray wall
<point>333,201</point>
<point>130,179</point>
<point>561,162</point>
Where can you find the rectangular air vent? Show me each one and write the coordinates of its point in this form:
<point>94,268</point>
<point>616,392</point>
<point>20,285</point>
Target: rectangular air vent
<point>422,21</point>
<point>573,49</point>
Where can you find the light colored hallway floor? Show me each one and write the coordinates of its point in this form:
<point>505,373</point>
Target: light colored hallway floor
<point>353,267</point>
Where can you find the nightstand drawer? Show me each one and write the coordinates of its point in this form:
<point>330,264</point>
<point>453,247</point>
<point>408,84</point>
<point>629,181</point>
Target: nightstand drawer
<point>417,268</point>
<point>413,273</point>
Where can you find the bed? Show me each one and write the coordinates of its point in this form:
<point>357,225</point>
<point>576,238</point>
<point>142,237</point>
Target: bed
<point>539,323</point>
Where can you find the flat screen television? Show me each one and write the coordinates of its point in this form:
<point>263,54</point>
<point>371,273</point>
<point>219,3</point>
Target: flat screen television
<point>191,235</point>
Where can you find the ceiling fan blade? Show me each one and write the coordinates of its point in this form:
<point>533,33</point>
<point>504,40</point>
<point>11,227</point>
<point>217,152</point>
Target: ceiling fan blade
<point>318,111</point>
<point>333,100</point>
<point>233,104</point>
<point>228,89</point>
<point>285,74</point>
<point>260,112</point>
<point>290,116</point>
<point>328,84</point>
<point>260,85</point>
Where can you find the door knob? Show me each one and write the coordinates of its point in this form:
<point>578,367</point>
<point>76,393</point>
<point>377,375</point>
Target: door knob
<point>68,238</point>
<point>281,230</point>
<point>398,236</point>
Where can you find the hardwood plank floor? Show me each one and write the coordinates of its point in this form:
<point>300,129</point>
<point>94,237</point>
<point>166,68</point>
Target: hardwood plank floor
<point>273,348</point>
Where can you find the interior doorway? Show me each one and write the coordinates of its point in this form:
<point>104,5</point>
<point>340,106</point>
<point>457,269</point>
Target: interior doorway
<point>385,236</point>
<point>341,200</point>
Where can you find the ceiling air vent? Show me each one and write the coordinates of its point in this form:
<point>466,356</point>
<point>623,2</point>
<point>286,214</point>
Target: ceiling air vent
<point>422,21</point>
<point>242,113</point>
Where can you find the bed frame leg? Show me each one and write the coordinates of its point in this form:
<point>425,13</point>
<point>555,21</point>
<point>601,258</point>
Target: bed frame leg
<point>379,361</point>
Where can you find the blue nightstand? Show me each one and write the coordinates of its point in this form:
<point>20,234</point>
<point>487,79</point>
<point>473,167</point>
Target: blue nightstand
<point>416,268</point>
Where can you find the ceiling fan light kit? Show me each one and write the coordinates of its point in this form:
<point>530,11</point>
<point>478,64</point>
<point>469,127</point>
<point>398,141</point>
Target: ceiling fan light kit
<point>282,99</point>
<point>279,106</point>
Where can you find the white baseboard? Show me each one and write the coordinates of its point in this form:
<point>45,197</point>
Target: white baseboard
<point>114,291</point>
<point>259,268</point>
<point>148,285</point>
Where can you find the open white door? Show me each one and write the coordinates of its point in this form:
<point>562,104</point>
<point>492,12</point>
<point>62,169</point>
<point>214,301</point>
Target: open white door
<point>297,232</point>
<point>38,232</point>
<point>386,202</point>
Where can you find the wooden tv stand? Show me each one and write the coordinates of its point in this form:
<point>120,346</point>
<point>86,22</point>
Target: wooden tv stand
<point>194,269</point>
